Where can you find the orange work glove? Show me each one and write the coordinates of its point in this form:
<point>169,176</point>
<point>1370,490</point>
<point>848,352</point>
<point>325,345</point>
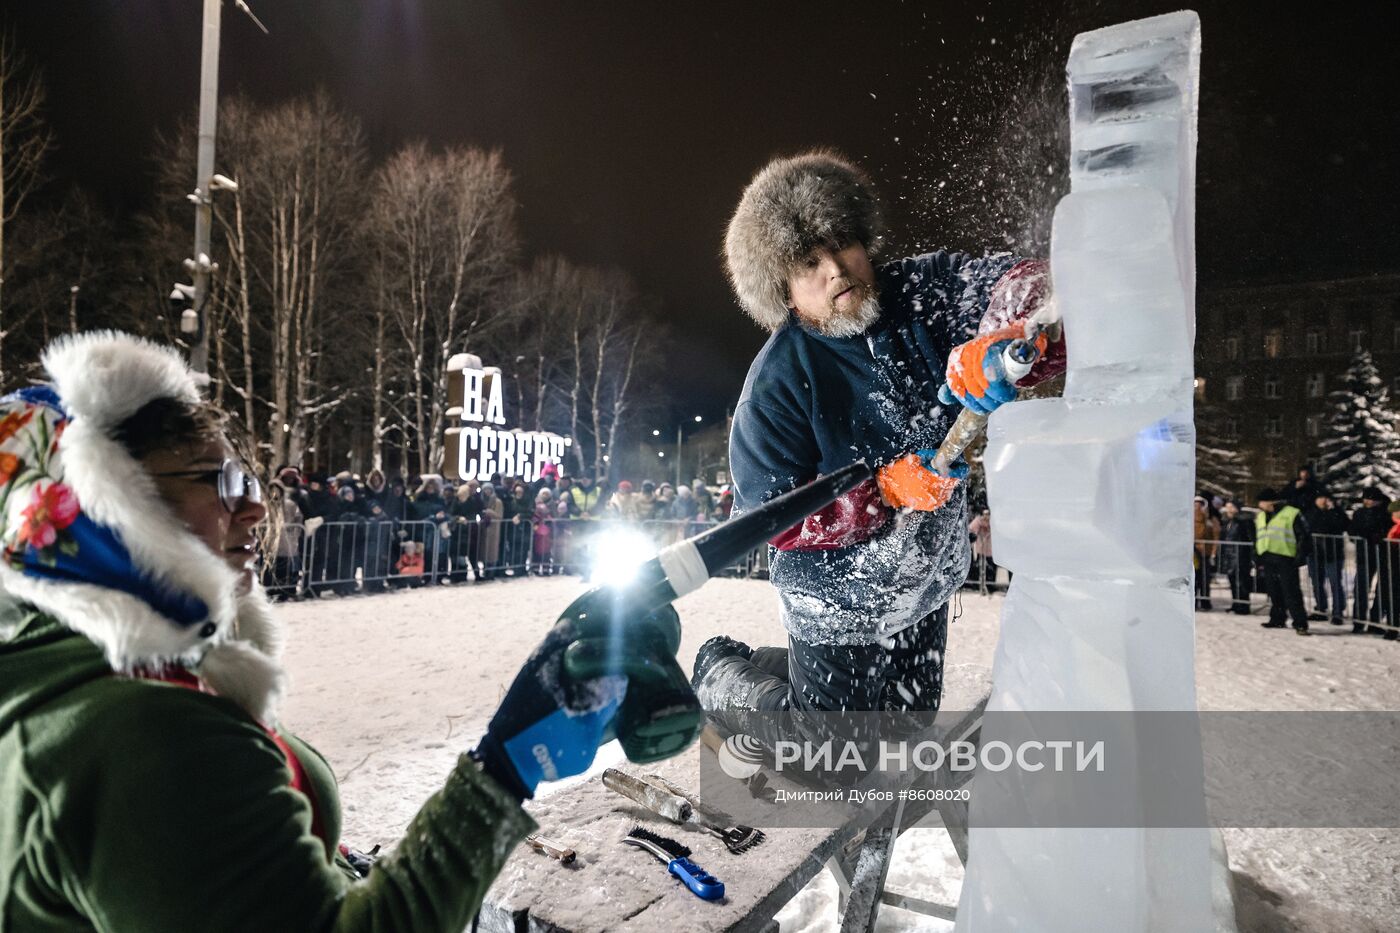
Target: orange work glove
<point>908,484</point>
<point>975,374</point>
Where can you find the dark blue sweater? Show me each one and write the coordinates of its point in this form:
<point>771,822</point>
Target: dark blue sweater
<point>812,404</point>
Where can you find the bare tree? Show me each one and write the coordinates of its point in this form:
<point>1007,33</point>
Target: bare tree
<point>24,139</point>
<point>443,237</point>
<point>538,298</point>
<point>293,230</point>
<point>606,347</point>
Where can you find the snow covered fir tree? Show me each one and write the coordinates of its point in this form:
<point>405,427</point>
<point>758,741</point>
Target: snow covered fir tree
<point>1220,468</point>
<point>1361,439</point>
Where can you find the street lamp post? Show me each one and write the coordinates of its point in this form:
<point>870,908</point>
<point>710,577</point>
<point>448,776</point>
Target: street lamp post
<point>203,214</point>
<point>656,432</point>
<point>200,265</point>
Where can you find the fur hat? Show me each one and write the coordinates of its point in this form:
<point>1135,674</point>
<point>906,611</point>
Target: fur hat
<point>791,206</point>
<point>88,540</point>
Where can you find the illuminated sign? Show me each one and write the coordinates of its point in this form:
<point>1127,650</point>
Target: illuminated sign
<point>476,449</point>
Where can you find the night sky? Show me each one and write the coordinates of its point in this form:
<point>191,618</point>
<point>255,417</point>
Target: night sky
<point>632,127</point>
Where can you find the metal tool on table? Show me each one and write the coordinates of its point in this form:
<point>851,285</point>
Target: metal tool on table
<point>736,837</point>
<point>668,800</point>
<point>1016,360</point>
<point>677,860</point>
<point>563,854</point>
<point>659,800</point>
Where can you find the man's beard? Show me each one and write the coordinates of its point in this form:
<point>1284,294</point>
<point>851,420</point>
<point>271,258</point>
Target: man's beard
<point>854,322</point>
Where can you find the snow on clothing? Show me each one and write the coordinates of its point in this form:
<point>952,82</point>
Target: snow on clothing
<point>901,674</point>
<point>131,801</point>
<point>812,404</point>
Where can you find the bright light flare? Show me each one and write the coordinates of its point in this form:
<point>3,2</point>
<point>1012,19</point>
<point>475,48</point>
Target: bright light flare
<point>617,553</point>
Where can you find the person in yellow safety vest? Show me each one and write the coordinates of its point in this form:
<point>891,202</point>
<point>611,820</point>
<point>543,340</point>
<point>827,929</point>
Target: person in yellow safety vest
<point>587,497</point>
<point>1281,545</point>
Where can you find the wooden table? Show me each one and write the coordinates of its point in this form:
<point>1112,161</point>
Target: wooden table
<point>615,887</point>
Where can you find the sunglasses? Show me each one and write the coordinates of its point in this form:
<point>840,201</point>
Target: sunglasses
<point>234,481</point>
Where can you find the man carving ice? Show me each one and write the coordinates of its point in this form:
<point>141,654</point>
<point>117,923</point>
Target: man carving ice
<point>852,370</point>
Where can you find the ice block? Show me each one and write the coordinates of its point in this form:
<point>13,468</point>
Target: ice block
<point>1090,497</point>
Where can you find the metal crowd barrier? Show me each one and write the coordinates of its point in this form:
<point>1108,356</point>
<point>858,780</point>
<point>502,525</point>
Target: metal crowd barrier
<point>1344,578</point>
<point>313,557</point>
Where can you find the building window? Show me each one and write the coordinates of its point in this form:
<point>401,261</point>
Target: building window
<point>1232,345</point>
<point>1273,344</point>
<point>1314,425</point>
<point>1317,384</point>
<point>1316,341</point>
<point>1273,466</point>
<point>1232,428</point>
<point>1273,426</point>
<point>1395,336</point>
<point>1273,387</point>
<point>1200,389</point>
<point>1234,388</point>
<point>1357,338</point>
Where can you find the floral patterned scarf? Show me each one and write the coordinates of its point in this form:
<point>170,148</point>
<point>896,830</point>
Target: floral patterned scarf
<point>45,532</point>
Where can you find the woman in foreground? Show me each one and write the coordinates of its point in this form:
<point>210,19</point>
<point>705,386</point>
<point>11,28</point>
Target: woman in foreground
<point>145,780</point>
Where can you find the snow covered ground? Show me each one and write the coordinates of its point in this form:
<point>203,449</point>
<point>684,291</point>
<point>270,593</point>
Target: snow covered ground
<point>391,688</point>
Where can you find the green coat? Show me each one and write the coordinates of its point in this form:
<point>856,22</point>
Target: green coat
<point>138,805</point>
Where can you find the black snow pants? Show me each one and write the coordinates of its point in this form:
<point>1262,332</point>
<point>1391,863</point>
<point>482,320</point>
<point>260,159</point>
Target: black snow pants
<point>1280,575</point>
<point>903,673</point>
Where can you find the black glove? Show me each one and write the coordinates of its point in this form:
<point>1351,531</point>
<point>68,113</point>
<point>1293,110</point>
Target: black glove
<point>550,724</point>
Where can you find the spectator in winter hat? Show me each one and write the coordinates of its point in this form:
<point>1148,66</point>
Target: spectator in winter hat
<point>1206,538</point>
<point>1236,556</point>
<point>863,362</point>
<point>646,501</point>
<point>704,502</point>
<point>1328,526</point>
<point>1304,489</point>
<point>1369,525</point>
<point>542,534</point>
<point>493,512</point>
<point>725,505</point>
<point>140,688</point>
<point>623,503</point>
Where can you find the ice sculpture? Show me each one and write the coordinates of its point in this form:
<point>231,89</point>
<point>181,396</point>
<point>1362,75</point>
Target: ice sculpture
<point>1091,496</point>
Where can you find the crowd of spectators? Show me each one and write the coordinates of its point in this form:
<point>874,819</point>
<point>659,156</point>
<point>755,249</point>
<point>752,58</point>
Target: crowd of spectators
<point>344,533</point>
<point>1263,549</point>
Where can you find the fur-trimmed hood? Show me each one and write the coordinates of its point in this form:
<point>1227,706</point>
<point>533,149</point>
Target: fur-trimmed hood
<point>87,538</point>
<point>792,205</point>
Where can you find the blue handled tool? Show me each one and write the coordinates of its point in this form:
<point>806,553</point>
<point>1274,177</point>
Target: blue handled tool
<point>677,858</point>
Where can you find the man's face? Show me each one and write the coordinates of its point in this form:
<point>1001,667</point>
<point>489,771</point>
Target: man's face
<point>1229,511</point>
<point>832,289</point>
<point>1323,502</point>
<point>1268,505</point>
